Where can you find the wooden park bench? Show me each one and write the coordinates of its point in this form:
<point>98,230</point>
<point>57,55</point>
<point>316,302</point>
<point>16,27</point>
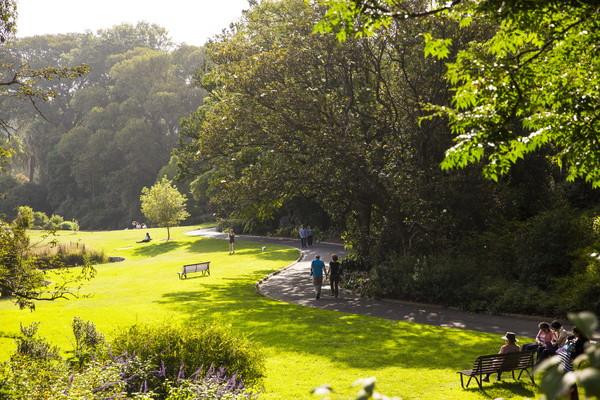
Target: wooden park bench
<point>522,361</point>
<point>203,267</point>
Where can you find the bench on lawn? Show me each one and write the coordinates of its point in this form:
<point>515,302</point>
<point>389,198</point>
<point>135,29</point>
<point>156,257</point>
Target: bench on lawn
<point>522,361</point>
<point>203,267</point>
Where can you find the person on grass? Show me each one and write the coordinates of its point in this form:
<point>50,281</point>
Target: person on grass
<point>317,268</point>
<point>231,236</point>
<point>509,346</point>
<point>146,239</point>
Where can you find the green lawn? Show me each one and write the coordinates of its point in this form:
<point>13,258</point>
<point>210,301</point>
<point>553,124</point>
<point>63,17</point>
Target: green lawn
<point>304,347</point>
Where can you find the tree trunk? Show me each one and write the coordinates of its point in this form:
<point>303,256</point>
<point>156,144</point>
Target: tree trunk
<point>364,229</point>
<point>31,168</point>
<point>168,233</point>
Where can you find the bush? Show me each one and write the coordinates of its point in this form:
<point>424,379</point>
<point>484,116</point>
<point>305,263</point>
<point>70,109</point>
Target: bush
<point>30,345</point>
<point>68,254</point>
<point>40,220</point>
<point>185,350</point>
<point>28,378</point>
<point>55,221</point>
<point>25,217</point>
<point>37,372</point>
<point>89,343</point>
<point>69,226</point>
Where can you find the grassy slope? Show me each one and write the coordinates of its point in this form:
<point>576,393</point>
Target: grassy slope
<point>305,347</point>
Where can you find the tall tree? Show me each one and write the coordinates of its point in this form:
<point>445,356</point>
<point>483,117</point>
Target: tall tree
<point>108,135</point>
<point>291,112</point>
<point>163,204</point>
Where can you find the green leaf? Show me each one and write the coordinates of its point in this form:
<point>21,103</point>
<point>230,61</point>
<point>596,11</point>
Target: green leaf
<point>438,48</point>
<point>585,321</point>
<point>589,379</point>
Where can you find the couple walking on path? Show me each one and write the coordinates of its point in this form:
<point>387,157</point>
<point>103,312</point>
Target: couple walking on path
<point>318,268</point>
<point>306,236</point>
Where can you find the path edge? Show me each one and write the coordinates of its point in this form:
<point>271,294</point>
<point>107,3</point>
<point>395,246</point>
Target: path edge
<point>258,284</point>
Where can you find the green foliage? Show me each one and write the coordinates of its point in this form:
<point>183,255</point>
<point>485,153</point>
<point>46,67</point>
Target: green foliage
<point>26,378</point>
<point>24,277</point>
<point>501,112</point>
<point>438,48</point>
<point>529,86</point>
<point>91,374</point>
<point>292,115</point>
<point>25,217</point>
<point>40,220</point>
<point>508,268</point>
<point>89,343</point>
<point>31,346</point>
<point>93,167</point>
<point>69,226</point>
<point>163,204</point>
<point>184,350</point>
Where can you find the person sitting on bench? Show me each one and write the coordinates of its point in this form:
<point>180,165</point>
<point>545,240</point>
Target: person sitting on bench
<point>510,346</point>
<point>146,239</point>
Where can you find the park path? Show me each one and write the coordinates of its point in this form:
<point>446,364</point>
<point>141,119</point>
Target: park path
<point>293,285</point>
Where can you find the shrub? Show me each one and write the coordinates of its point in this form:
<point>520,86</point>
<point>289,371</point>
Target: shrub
<point>28,378</point>
<point>40,220</point>
<point>30,345</point>
<point>89,343</point>
<point>25,217</point>
<point>185,350</point>
<point>55,221</point>
<point>69,226</point>
<point>68,254</point>
<point>37,372</point>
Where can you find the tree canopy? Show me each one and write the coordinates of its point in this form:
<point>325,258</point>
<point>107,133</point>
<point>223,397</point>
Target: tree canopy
<point>104,137</point>
<point>26,278</point>
<point>530,86</point>
<point>163,204</point>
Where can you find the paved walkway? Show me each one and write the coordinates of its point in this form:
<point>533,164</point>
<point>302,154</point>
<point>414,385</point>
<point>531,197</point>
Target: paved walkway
<point>294,285</point>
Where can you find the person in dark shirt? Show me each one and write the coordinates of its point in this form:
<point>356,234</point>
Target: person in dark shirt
<point>231,236</point>
<point>317,267</point>
<point>335,273</point>
<point>146,239</point>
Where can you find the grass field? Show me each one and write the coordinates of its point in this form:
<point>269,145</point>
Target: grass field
<point>304,347</point>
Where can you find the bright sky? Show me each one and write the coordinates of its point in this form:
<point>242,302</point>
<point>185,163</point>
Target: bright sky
<point>190,21</point>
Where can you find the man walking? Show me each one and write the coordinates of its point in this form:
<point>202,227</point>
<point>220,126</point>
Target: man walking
<point>317,268</point>
<point>302,233</point>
